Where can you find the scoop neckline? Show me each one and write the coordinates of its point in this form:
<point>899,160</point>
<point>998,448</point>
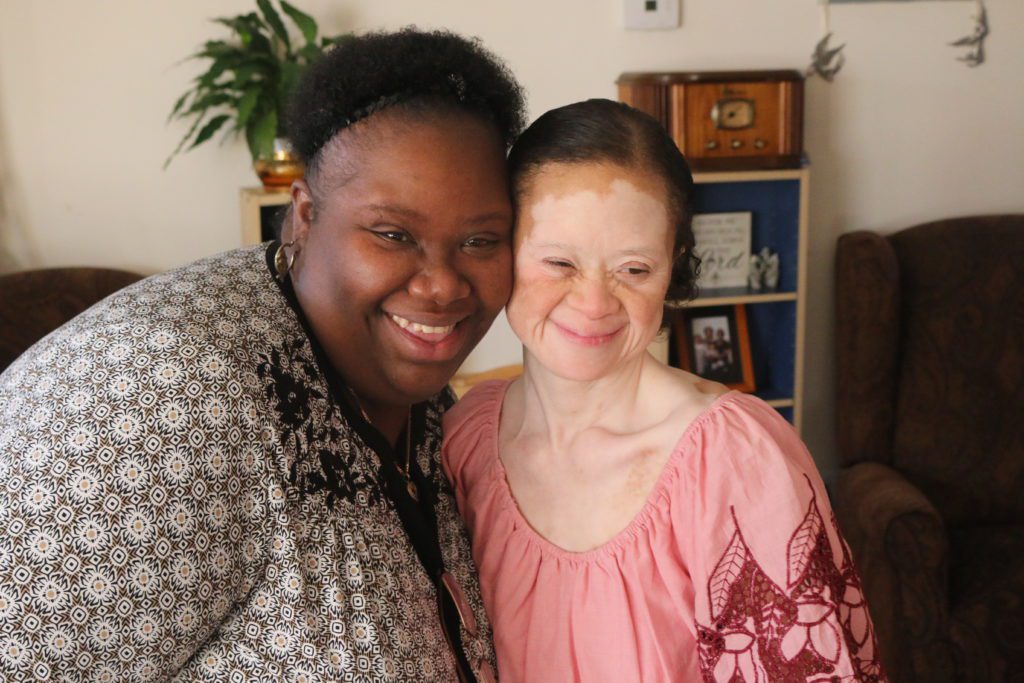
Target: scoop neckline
<point>638,521</point>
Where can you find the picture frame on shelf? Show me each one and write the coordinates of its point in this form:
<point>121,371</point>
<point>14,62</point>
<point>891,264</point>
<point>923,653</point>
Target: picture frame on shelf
<point>723,245</point>
<point>714,343</point>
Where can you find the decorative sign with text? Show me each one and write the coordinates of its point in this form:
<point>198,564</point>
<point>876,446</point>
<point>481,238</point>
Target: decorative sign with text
<point>723,245</point>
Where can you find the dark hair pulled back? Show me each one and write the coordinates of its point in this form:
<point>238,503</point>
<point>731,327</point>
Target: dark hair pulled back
<point>416,71</point>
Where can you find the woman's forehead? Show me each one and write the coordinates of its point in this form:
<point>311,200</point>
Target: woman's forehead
<point>595,200</point>
<point>380,139</point>
<point>594,173</point>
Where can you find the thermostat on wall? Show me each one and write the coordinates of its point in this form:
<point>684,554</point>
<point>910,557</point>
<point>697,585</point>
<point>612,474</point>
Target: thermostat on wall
<point>651,14</point>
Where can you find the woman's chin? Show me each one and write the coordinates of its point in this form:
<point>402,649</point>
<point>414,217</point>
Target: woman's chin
<point>424,384</point>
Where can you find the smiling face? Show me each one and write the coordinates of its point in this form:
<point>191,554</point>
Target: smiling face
<point>592,264</point>
<point>404,256</point>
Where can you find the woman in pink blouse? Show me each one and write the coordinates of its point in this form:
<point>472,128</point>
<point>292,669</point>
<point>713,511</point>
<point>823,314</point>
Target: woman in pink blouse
<point>630,521</point>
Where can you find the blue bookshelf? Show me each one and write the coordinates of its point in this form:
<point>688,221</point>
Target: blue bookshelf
<point>777,201</point>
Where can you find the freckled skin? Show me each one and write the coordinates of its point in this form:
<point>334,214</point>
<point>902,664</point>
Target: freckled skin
<point>586,432</point>
<point>593,261</point>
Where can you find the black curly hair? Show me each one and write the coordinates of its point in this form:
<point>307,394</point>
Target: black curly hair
<point>600,130</point>
<point>408,69</point>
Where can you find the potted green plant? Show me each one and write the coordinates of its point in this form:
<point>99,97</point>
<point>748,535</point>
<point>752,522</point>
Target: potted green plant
<point>248,84</point>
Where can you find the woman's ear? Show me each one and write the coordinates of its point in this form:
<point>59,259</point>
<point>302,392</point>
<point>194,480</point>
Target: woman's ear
<point>302,214</point>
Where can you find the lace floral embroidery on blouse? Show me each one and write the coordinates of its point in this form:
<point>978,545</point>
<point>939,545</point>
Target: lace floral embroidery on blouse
<point>764,632</point>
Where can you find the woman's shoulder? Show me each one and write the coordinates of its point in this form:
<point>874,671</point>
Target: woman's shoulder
<point>741,423</point>
<point>227,304</point>
<point>739,434</point>
<point>480,406</point>
<point>678,399</point>
<point>728,435</point>
<point>164,343</point>
<point>471,429</point>
<point>215,298</point>
<point>741,463</point>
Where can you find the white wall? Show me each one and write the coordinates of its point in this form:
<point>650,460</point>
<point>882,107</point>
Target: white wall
<point>905,134</point>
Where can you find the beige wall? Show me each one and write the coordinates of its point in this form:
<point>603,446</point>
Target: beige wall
<point>905,134</point>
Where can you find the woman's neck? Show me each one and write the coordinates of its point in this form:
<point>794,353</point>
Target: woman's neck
<point>387,419</point>
<point>562,409</point>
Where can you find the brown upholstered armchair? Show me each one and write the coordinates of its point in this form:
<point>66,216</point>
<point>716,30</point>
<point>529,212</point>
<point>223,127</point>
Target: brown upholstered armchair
<point>930,427</point>
<point>33,303</point>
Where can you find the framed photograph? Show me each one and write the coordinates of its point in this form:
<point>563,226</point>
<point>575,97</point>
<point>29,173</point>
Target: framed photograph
<point>714,342</point>
<point>723,245</point>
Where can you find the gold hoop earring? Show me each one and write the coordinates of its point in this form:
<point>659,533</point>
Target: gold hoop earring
<point>283,262</point>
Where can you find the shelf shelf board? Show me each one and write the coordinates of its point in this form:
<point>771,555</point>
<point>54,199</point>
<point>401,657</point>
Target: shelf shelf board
<point>262,196</point>
<point>748,176</point>
<point>776,399</point>
<point>781,402</point>
<point>737,295</point>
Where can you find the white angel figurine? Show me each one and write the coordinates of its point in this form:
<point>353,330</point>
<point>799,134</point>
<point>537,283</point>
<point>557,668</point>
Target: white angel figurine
<point>771,269</point>
<point>755,277</point>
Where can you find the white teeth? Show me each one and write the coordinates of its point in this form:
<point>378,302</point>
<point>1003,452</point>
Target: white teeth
<point>422,329</point>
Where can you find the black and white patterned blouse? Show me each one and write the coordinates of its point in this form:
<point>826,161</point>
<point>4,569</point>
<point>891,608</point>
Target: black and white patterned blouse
<point>184,494</point>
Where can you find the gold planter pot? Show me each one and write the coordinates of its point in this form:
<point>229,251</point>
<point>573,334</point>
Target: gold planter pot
<point>281,168</point>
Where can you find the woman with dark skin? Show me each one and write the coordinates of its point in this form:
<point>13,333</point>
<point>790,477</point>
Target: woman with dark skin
<point>231,470</point>
<point>409,227</point>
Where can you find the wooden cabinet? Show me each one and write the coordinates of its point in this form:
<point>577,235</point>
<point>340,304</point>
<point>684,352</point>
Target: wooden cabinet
<point>725,120</point>
<point>777,201</point>
<point>262,210</point>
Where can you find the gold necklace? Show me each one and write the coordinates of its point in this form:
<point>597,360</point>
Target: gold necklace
<point>410,485</point>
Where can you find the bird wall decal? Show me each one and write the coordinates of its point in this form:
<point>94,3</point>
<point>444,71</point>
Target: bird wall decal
<point>976,40</point>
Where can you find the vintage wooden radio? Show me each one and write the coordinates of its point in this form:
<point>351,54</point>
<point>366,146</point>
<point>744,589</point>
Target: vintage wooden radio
<point>723,120</point>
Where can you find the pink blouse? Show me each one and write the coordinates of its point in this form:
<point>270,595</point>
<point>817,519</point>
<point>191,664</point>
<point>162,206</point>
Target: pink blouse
<point>734,569</point>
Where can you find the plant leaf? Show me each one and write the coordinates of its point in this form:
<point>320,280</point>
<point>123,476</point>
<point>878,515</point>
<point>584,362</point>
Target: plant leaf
<point>219,66</point>
<point>305,22</point>
<point>246,104</point>
<point>274,21</point>
<point>260,133</point>
<point>210,99</point>
<point>209,129</point>
<point>244,75</point>
<point>178,105</point>
<point>310,52</point>
<point>239,26</point>
<point>244,34</point>
<point>214,49</point>
<point>289,79</point>
<point>259,41</point>
<point>251,144</point>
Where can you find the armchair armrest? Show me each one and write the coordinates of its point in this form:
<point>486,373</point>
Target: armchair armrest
<point>901,547</point>
<point>867,305</point>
